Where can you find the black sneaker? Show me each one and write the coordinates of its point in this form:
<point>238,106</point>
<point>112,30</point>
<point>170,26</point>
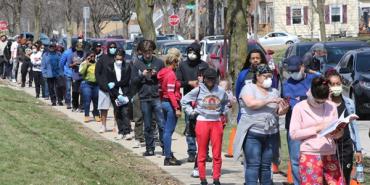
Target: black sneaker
<point>69,106</point>
<point>53,104</point>
<point>209,159</point>
<point>37,96</point>
<point>172,162</point>
<point>216,182</point>
<point>148,153</point>
<point>60,103</point>
<point>191,158</point>
<point>203,182</point>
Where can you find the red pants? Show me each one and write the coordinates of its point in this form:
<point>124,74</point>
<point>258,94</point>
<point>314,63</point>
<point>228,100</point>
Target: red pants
<point>315,169</point>
<point>206,131</point>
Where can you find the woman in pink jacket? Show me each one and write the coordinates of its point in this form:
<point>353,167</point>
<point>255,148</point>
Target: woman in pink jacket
<point>318,162</point>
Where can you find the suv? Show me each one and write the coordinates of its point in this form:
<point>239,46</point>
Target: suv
<point>207,43</point>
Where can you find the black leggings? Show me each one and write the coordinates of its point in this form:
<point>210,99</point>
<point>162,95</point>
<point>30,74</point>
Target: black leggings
<point>27,68</point>
<point>39,82</point>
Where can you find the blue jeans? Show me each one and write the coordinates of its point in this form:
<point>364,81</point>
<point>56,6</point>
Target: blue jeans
<point>147,108</point>
<point>68,90</point>
<point>46,89</point>
<point>90,92</point>
<point>294,148</point>
<point>192,145</point>
<point>258,149</point>
<point>170,121</point>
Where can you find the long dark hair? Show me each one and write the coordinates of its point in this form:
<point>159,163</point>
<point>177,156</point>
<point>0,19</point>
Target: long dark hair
<point>247,63</point>
<point>332,72</point>
<point>320,88</point>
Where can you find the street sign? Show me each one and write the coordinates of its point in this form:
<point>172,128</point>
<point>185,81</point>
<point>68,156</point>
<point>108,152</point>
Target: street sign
<point>86,12</point>
<point>3,25</point>
<point>174,20</point>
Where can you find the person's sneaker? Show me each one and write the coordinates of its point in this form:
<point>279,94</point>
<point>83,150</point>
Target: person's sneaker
<point>97,118</point>
<point>46,98</point>
<point>53,104</point>
<point>195,173</point>
<point>203,182</point>
<point>74,109</point>
<point>172,162</point>
<point>148,153</point>
<point>129,136</point>
<point>37,96</point>
<point>216,182</point>
<point>86,119</point>
<point>209,159</point>
<point>119,137</point>
<point>69,106</point>
<point>14,81</point>
<point>60,103</point>
<point>23,85</point>
<point>102,129</point>
<point>191,158</point>
<point>137,144</point>
<point>80,110</point>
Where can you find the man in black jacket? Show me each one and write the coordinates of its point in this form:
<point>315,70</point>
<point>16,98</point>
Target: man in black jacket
<point>118,78</point>
<point>101,79</point>
<point>144,77</point>
<point>188,73</point>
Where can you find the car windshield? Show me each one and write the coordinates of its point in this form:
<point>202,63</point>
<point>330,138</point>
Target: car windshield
<point>209,47</point>
<point>363,64</point>
<point>335,53</point>
<point>129,46</point>
<point>181,47</point>
<point>302,50</point>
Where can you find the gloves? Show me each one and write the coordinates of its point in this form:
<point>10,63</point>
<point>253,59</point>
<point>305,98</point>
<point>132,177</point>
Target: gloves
<point>123,99</point>
<point>111,85</point>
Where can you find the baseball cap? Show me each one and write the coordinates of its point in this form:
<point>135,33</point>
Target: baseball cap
<point>210,73</point>
<point>293,63</point>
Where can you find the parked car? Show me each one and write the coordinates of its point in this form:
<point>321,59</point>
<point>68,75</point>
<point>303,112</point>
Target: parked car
<point>43,38</point>
<point>207,43</point>
<point>278,38</point>
<point>335,51</point>
<point>181,45</point>
<point>355,70</point>
<point>129,46</point>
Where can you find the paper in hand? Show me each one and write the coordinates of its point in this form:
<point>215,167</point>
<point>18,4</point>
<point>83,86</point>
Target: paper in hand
<point>337,124</point>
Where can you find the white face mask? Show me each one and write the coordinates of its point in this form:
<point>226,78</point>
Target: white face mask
<point>192,56</point>
<point>297,76</point>
<point>267,83</point>
<point>336,90</point>
<point>118,61</point>
<point>34,50</point>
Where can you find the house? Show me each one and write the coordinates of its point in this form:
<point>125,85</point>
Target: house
<point>299,17</point>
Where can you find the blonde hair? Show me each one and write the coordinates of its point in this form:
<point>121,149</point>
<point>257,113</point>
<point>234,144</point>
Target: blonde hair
<point>173,54</point>
<point>225,84</point>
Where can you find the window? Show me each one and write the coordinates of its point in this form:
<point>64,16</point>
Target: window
<point>297,15</point>
<point>335,13</point>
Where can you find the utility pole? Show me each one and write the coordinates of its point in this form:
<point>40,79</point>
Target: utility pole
<point>197,20</point>
<point>255,22</point>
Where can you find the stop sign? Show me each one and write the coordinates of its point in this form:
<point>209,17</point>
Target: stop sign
<point>3,25</point>
<point>174,20</point>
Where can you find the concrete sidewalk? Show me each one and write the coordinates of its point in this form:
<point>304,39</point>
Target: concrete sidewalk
<point>232,172</point>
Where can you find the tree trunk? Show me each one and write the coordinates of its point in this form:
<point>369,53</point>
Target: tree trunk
<point>125,29</point>
<point>68,18</point>
<point>144,10</point>
<point>211,17</point>
<point>320,6</point>
<point>237,25</point>
<point>17,12</point>
<point>37,23</point>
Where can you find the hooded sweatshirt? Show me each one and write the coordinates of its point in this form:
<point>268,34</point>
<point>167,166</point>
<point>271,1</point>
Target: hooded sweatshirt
<point>169,87</point>
<point>189,70</point>
<point>210,104</point>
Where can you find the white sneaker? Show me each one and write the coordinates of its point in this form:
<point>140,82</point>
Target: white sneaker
<point>14,81</point>
<point>120,136</point>
<point>195,173</point>
<point>136,144</point>
<point>102,129</point>
<point>129,136</point>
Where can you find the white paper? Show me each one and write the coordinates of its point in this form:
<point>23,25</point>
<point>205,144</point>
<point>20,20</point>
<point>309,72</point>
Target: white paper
<point>334,125</point>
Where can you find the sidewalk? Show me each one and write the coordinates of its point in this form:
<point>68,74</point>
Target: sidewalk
<point>232,172</point>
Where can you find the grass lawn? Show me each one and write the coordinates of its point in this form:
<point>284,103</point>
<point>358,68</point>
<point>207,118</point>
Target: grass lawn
<point>41,146</point>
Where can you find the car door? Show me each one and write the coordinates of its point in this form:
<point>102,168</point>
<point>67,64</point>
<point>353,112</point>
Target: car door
<point>269,40</point>
<point>347,69</point>
<point>281,38</point>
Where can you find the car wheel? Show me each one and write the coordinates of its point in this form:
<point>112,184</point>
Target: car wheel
<point>289,42</point>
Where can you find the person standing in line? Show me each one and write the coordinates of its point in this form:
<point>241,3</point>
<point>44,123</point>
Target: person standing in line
<point>3,61</point>
<point>295,90</point>
<point>65,62</point>
<point>145,78</point>
<point>26,66</point>
<point>14,59</point>
<point>348,146</point>
<point>77,59</point>
<point>209,112</point>
<point>318,162</point>
<point>101,78</point>
<point>51,70</point>
<point>170,97</point>
<point>36,58</point>
<point>118,78</point>
<point>8,63</point>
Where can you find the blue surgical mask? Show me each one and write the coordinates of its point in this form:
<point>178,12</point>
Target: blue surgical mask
<point>112,51</point>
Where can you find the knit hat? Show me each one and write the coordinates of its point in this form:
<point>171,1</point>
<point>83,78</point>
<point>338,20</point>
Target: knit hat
<point>263,68</point>
<point>210,73</point>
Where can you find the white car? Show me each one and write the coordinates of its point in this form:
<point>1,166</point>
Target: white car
<point>207,43</point>
<point>278,38</point>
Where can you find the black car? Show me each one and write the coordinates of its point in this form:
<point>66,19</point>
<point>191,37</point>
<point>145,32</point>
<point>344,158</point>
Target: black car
<point>355,70</point>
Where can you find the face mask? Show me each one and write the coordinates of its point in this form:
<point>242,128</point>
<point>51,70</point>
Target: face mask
<point>297,76</point>
<point>42,50</point>
<point>112,51</point>
<point>192,56</point>
<point>118,61</point>
<point>311,100</point>
<point>34,51</point>
<point>336,90</point>
<point>267,83</point>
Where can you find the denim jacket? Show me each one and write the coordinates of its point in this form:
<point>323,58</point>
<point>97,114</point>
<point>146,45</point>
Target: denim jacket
<point>350,106</point>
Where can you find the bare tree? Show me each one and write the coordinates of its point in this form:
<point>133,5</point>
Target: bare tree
<point>100,13</point>
<point>7,13</point>
<point>211,17</point>
<point>16,6</point>
<point>68,21</point>
<point>123,9</point>
<point>37,20</point>
<point>319,9</point>
<point>163,4</point>
<point>144,10</point>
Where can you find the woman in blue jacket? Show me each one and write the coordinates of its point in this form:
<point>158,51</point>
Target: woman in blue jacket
<point>349,144</point>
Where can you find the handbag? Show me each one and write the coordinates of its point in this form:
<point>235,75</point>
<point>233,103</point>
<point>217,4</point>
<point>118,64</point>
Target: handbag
<point>190,129</point>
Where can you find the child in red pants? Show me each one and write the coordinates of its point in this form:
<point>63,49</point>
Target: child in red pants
<point>209,110</point>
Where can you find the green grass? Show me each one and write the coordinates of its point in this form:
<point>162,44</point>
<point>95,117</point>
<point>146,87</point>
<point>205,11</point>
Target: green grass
<point>41,146</point>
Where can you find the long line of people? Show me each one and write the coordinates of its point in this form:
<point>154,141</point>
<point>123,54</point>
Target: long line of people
<point>149,88</point>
